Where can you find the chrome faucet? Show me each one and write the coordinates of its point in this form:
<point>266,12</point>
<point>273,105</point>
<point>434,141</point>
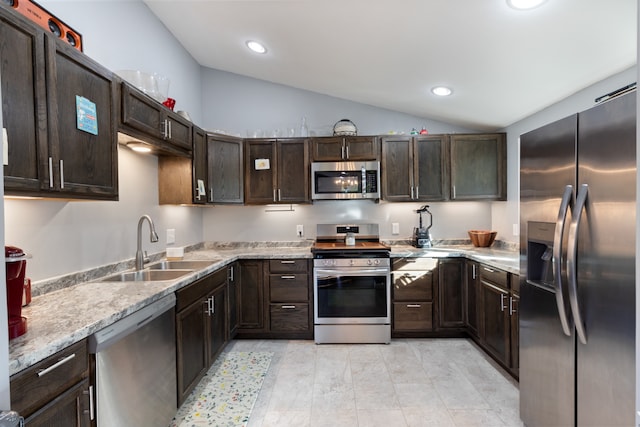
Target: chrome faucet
<point>153,238</point>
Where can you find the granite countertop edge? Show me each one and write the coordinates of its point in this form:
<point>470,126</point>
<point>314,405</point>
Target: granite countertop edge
<point>65,316</point>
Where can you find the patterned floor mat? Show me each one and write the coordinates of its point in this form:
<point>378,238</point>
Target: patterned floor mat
<point>227,393</point>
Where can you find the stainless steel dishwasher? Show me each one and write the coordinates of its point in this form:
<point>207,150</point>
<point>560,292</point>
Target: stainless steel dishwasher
<point>136,368</point>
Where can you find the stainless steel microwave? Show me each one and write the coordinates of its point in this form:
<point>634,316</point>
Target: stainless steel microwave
<point>345,180</point>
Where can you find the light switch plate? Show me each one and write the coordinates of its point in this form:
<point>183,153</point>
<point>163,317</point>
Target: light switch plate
<point>171,235</point>
<point>395,228</point>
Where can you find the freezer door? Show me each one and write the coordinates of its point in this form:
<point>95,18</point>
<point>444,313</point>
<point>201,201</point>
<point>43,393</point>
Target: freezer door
<point>605,264</point>
<point>547,355</point>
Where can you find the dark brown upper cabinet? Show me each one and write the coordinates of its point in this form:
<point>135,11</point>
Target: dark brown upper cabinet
<point>343,148</point>
<point>277,171</point>
<point>145,118</point>
<point>60,116</point>
<point>478,165</point>
<point>413,168</point>
<point>226,169</point>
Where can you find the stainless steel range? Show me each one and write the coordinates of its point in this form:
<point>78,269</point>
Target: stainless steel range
<point>351,285</point>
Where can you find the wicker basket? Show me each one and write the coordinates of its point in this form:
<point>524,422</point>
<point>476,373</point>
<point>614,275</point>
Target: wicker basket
<point>481,238</point>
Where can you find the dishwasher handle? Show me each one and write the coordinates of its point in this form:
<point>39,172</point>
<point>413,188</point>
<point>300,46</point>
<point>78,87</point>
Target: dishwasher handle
<point>125,326</point>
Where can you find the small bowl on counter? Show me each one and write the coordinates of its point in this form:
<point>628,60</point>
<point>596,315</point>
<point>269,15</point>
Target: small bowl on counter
<point>482,238</point>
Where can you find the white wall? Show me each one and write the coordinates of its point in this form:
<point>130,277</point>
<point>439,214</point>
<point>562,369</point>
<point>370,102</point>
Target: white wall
<point>505,214</point>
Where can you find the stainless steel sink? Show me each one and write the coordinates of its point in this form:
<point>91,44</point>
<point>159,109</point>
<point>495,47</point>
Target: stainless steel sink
<point>180,265</point>
<point>147,275</point>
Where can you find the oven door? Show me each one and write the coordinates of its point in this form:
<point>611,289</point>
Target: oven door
<point>352,296</point>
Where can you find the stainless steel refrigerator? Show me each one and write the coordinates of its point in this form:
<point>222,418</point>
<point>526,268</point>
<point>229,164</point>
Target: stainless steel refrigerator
<point>577,268</point>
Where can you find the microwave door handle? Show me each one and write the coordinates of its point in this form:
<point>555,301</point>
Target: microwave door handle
<point>565,206</point>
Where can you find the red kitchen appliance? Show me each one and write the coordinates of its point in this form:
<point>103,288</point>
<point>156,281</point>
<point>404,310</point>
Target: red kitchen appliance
<point>16,265</point>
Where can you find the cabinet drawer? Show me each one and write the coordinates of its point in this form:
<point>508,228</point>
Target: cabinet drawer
<point>42,382</point>
<point>498,277</point>
<point>289,317</point>
<point>412,285</point>
<point>288,266</point>
<point>190,293</point>
<point>288,288</point>
<point>417,316</point>
<point>514,282</point>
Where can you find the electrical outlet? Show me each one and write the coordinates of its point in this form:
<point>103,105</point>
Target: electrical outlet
<point>171,235</point>
<point>300,230</point>
<point>395,228</point>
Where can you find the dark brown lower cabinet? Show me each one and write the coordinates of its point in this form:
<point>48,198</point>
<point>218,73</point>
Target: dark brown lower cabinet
<point>451,307</point>
<point>495,316</point>
<point>251,297</point>
<point>200,328</point>
<point>289,317</point>
<point>472,291</point>
<point>413,285</point>
<point>232,298</point>
<point>55,391</point>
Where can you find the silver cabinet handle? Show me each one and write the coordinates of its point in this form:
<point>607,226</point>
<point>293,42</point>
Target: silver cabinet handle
<point>414,305</point>
<point>342,151</point>
<point>165,131</point>
<point>488,269</point>
<point>208,303</point>
<point>213,304</point>
<point>91,405</point>
<point>287,262</point>
<point>50,172</point>
<point>565,205</point>
<point>454,191</point>
<point>288,307</point>
<point>56,365</point>
<point>412,193</point>
<point>211,194</point>
<point>347,151</point>
<point>288,277</point>
<point>417,192</point>
<point>502,307</point>
<point>512,311</point>
<point>473,271</point>
<point>61,173</point>
<point>170,128</point>
<point>230,274</point>
<point>581,201</point>
<point>279,195</point>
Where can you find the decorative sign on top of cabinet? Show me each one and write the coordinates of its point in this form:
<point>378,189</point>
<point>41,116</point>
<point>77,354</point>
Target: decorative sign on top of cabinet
<point>277,171</point>
<point>338,148</point>
<point>59,110</point>
<point>413,168</point>
<point>145,118</point>
<point>478,166</point>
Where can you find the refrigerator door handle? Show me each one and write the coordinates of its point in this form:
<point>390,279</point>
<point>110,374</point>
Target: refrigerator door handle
<point>581,201</point>
<point>565,205</point>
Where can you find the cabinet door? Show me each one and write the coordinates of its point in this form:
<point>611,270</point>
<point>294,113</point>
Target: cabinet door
<point>191,342</point>
<point>250,295</point>
<point>495,334</point>
<point>328,149</point>
<point>397,168</point>
<point>84,161</point>
<point>429,167</point>
<point>361,148</point>
<point>413,285</point>
<point>24,108</point>
<point>478,167</point>
<point>141,112</point>
<point>199,162</point>
<point>293,172</point>
<point>217,322</point>
<point>472,285</point>
<point>289,317</point>
<point>71,408</point>
<point>412,317</point>
<point>450,293</point>
<point>179,130</point>
<point>226,175</point>
<point>260,184</point>
<point>232,298</point>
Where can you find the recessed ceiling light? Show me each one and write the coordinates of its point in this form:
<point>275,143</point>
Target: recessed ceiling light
<point>441,91</point>
<point>524,4</point>
<point>257,47</point>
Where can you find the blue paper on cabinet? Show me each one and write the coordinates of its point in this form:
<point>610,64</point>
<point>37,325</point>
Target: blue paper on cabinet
<point>86,115</point>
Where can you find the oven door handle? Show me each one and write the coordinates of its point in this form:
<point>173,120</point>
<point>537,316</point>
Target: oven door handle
<point>350,272</point>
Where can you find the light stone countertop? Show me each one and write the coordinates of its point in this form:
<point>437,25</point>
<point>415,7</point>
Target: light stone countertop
<point>63,317</point>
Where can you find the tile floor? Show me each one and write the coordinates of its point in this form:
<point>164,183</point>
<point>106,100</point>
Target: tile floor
<point>413,382</point>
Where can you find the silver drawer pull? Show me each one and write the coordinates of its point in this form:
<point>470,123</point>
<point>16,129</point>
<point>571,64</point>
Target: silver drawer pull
<point>288,307</point>
<point>414,305</point>
<point>288,277</point>
<point>59,363</point>
<point>488,269</point>
<point>287,262</point>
